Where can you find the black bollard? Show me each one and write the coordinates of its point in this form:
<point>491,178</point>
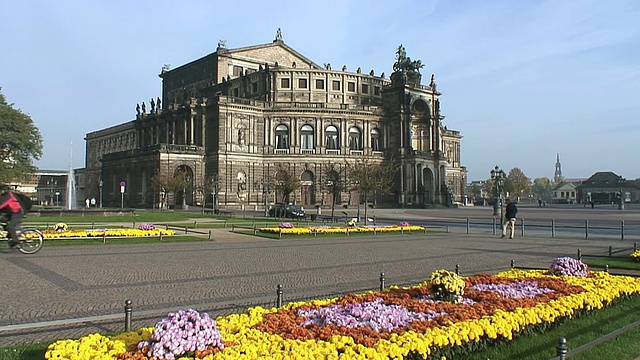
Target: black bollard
<point>579,254</point>
<point>381,281</point>
<point>621,229</point>
<point>610,251</point>
<point>457,269</point>
<point>279,296</point>
<point>513,264</point>
<point>128,309</point>
<point>467,225</point>
<point>553,228</point>
<point>606,268</point>
<point>561,348</point>
<point>586,229</point>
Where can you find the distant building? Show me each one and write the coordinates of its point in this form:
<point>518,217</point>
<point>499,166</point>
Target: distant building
<point>604,188</point>
<point>239,117</point>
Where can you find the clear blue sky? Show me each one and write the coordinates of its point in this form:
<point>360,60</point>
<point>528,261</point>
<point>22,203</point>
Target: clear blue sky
<point>522,80</point>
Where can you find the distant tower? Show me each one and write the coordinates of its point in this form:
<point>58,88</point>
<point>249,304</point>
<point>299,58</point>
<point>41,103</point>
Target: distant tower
<point>557,175</point>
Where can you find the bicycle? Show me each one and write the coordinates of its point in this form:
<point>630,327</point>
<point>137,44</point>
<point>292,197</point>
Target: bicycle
<point>30,240</point>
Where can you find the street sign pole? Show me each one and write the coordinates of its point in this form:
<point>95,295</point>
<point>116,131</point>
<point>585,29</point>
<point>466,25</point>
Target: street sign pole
<point>122,188</point>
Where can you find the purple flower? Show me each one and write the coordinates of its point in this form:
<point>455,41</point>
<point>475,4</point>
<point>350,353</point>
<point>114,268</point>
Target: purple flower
<point>567,266</point>
<point>518,290</point>
<point>404,223</point>
<point>181,332</point>
<point>147,226</point>
<point>286,225</point>
<point>374,314</point>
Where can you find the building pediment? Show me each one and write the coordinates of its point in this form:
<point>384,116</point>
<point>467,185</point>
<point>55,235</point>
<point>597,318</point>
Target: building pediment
<point>276,52</point>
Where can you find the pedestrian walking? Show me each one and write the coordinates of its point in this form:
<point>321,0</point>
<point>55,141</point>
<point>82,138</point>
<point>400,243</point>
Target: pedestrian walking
<point>510,218</point>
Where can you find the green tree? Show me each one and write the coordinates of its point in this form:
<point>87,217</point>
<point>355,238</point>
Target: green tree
<point>369,176</point>
<point>20,143</point>
<point>517,183</point>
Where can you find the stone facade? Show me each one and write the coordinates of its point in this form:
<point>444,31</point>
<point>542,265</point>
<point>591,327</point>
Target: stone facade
<point>242,115</point>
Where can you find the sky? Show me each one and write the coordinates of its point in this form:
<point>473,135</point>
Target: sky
<point>521,80</point>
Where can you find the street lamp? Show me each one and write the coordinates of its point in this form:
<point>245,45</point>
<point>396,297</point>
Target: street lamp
<point>57,193</point>
<point>101,184</point>
<point>214,193</point>
<point>265,195</point>
<point>498,176</point>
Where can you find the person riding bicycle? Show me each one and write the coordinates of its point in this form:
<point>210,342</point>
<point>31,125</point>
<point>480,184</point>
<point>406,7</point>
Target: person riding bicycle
<point>13,210</point>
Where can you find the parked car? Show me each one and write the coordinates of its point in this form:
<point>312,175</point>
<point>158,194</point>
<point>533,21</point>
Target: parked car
<point>286,211</point>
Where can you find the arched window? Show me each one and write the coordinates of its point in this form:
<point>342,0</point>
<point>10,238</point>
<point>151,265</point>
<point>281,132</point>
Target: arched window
<point>376,141</point>
<point>332,139</point>
<point>355,139</point>
<point>306,137</point>
<point>282,137</point>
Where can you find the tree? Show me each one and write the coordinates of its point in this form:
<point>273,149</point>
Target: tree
<point>166,183</point>
<point>285,183</point>
<point>20,143</point>
<point>542,187</point>
<point>333,184</point>
<point>368,177</point>
<point>517,183</point>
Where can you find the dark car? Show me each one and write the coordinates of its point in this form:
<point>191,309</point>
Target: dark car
<point>286,211</point>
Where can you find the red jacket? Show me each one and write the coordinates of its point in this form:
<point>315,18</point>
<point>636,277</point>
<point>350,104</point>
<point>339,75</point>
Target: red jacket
<point>10,203</point>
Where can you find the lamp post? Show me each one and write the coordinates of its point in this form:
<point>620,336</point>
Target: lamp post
<point>216,183</point>
<point>57,193</point>
<point>265,195</point>
<point>498,176</point>
<point>101,184</point>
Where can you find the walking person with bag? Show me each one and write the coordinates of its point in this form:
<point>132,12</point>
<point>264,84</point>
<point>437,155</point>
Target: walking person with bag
<point>510,218</point>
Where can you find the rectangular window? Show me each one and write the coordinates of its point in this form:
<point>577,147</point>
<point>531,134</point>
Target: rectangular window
<point>351,86</point>
<point>237,70</point>
<point>284,83</point>
<point>365,88</point>
<point>320,84</point>
<point>335,85</point>
<point>254,87</point>
<point>302,83</point>
<point>376,90</point>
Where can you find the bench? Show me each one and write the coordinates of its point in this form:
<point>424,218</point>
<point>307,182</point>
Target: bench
<point>329,219</point>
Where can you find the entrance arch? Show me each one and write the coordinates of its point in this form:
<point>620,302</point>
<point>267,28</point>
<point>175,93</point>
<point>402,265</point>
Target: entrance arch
<point>307,192</point>
<point>427,186</point>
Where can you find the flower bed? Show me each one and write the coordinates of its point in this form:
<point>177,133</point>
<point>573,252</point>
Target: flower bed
<point>635,255</point>
<point>388,324</point>
<point>323,229</point>
<point>98,233</point>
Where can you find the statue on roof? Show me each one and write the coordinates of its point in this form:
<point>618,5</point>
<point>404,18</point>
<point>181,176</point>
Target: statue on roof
<point>278,35</point>
<point>404,63</point>
<point>222,44</point>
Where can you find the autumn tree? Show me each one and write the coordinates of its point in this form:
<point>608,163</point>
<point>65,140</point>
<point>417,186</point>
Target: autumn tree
<point>369,176</point>
<point>168,183</point>
<point>542,187</point>
<point>285,183</point>
<point>20,143</point>
<point>517,183</point>
<point>333,184</point>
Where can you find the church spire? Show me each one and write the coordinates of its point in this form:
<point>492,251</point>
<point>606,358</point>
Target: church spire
<point>557,175</point>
